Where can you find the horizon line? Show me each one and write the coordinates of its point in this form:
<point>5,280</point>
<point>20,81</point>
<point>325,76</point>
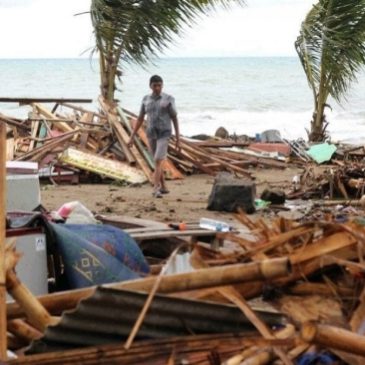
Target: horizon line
<point>152,59</point>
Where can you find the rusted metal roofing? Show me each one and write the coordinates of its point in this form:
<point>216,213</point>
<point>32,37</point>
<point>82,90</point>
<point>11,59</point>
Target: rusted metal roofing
<point>108,316</point>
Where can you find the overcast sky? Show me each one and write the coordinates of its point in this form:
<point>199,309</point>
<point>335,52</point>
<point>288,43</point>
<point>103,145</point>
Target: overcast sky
<point>49,29</point>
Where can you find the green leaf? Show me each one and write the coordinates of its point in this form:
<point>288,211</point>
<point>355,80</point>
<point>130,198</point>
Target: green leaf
<point>136,30</point>
<point>331,46</point>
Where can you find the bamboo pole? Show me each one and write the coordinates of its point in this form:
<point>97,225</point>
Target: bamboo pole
<point>36,313</point>
<point>204,278</point>
<point>263,357</point>
<point>333,337</point>
<point>237,359</point>
<point>307,288</point>
<point>23,330</point>
<point>3,335</point>
<point>149,300</point>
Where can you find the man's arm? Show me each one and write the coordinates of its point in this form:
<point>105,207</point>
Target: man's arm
<point>177,131</point>
<point>173,115</point>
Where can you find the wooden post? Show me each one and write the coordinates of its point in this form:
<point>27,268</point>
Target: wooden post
<point>3,338</point>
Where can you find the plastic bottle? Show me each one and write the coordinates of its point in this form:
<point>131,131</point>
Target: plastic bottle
<point>214,225</point>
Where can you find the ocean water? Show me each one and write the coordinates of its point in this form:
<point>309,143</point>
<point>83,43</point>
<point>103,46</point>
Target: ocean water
<point>245,95</point>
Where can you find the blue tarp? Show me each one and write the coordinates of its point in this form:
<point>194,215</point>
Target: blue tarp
<point>98,254</point>
<point>323,358</point>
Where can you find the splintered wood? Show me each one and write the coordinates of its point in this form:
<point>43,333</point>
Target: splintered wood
<point>102,137</point>
<point>312,274</point>
<point>322,296</point>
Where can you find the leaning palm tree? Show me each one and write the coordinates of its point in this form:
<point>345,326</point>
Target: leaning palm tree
<point>135,30</point>
<point>331,48</point>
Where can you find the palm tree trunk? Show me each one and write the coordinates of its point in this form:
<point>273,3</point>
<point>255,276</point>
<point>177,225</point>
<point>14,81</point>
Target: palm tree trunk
<point>108,70</point>
<point>103,76</point>
<point>317,127</point>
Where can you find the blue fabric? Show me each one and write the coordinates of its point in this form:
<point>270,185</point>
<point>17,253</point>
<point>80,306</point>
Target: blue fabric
<point>317,359</point>
<point>114,241</point>
<point>85,263</point>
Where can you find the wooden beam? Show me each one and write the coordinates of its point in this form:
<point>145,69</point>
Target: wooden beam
<point>80,109</point>
<point>145,153</point>
<point>3,337</point>
<point>64,127</point>
<point>198,279</point>
<point>43,100</point>
<point>12,122</point>
<point>118,130</point>
<point>34,135</point>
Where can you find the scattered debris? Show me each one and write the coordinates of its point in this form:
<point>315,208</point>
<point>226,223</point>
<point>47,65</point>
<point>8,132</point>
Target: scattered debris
<point>274,196</point>
<point>71,143</point>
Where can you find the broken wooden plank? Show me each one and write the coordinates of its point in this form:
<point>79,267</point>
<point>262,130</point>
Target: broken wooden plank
<point>10,145</point>
<point>47,147</point>
<point>14,122</point>
<point>80,109</point>
<point>87,118</point>
<point>62,126</point>
<point>144,151</point>
<point>119,132</point>
<point>211,157</point>
<point>34,134</point>
<point>43,100</point>
<point>102,166</point>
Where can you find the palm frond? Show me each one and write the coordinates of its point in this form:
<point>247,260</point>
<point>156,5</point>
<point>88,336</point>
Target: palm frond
<point>331,45</point>
<point>134,30</point>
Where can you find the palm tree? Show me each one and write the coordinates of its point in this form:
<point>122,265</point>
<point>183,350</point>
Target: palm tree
<point>331,48</point>
<point>135,30</point>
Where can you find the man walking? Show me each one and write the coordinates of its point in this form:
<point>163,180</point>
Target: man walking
<point>161,111</point>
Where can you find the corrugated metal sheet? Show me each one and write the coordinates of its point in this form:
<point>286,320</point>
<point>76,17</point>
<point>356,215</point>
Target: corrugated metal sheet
<point>108,316</point>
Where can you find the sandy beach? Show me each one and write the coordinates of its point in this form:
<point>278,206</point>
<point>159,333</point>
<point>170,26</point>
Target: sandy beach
<point>187,200</point>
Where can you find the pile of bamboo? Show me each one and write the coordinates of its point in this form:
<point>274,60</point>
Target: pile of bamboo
<point>313,273</point>
<point>87,143</point>
<point>323,296</point>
